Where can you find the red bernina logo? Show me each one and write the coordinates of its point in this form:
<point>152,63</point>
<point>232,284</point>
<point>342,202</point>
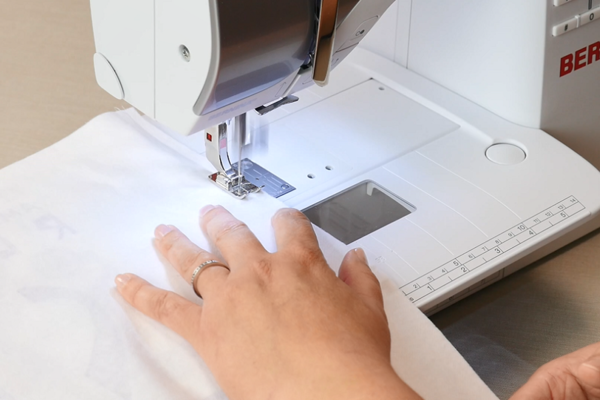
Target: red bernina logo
<point>579,59</point>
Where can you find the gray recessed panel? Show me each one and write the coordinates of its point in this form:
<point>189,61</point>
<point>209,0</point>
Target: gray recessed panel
<point>357,211</point>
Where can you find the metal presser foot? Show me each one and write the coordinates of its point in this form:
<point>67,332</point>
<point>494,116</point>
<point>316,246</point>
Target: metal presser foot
<point>228,178</point>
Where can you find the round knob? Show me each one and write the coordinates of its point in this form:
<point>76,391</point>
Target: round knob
<point>505,154</point>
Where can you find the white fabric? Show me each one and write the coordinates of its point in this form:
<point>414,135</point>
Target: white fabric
<point>78,213</point>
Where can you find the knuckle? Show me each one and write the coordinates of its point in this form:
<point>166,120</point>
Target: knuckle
<point>190,260</point>
<point>263,268</point>
<point>306,259</point>
<point>311,257</point>
<point>168,243</point>
<point>166,306</point>
<point>554,382</point>
<point>181,253</point>
<point>370,277</point>
<point>133,293</point>
<point>229,228</point>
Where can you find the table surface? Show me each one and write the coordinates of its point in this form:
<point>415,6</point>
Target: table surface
<point>505,332</point>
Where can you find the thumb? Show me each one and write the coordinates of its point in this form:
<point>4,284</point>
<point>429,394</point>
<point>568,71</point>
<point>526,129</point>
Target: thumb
<point>355,272</point>
<point>588,375</point>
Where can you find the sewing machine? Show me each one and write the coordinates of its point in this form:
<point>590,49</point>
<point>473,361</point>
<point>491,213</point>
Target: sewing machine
<point>429,155</point>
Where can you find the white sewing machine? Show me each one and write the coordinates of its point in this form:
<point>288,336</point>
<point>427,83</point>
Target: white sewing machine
<point>429,155</point>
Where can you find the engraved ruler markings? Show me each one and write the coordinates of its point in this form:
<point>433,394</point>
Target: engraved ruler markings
<point>486,252</point>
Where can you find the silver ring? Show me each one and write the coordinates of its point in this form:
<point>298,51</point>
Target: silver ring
<point>199,268</point>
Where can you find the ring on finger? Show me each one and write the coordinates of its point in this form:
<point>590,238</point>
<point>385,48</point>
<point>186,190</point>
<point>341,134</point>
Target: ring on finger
<point>204,265</point>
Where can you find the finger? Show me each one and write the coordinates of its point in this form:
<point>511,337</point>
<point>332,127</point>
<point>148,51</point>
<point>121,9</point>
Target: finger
<point>355,272</point>
<point>232,237</point>
<point>588,374</point>
<point>168,308</point>
<point>294,231</point>
<point>210,281</point>
<point>185,257</point>
<point>534,389</point>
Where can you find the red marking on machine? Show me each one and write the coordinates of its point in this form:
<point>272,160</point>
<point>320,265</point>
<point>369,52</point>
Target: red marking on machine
<point>581,58</point>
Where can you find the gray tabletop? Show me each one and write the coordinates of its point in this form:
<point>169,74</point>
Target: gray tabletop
<point>541,312</point>
<point>48,90</point>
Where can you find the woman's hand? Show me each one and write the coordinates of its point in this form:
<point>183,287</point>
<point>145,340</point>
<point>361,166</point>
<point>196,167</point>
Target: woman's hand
<point>575,376</point>
<point>276,326</point>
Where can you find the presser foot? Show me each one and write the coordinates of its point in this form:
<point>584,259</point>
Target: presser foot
<point>237,186</point>
<point>228,177</point>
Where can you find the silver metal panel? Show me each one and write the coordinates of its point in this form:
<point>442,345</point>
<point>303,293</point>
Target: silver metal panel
<point>260,42</point>
<point>266,180</point>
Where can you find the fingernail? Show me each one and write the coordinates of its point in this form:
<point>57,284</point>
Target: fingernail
<point>587,373</point>
<point>285,211</point>
<point>122,280</point>
<point>360,253</point>
<point>162,230</point>
<point>593,367</point>
<point>204,210</point>
<point>281,211</point>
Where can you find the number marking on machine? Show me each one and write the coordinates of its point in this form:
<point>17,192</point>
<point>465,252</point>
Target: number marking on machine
<point>493,248</point>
